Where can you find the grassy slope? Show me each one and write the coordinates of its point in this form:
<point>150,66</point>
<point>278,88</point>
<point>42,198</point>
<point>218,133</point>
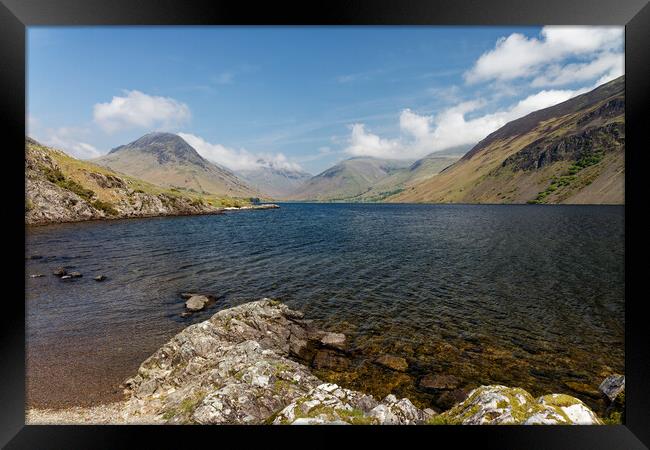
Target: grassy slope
<point>181,176</point>
<point>79,171</point>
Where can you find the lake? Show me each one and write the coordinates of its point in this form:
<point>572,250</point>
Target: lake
<point>521,295</point>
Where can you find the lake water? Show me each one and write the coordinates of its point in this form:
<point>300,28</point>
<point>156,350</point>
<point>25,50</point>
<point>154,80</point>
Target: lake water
<point>521,295</point>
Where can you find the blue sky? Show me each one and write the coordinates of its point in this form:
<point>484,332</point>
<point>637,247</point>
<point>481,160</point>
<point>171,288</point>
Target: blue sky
<point>303,96</point>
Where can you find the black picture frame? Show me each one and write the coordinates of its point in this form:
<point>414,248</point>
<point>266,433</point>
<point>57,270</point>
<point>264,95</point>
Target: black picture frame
<point>16,15</point>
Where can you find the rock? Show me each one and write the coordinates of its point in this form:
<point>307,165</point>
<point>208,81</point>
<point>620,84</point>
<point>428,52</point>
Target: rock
<point>331,360</point>
<point>501,405</point>
<point>36,275</point>
<point>394,412</point>
<point>330,404</point>
<point>612,386</point>
<point>583,389</point>
<point>391,362</point>
<point>186,314</point>
<point>439,382</point>
<point>59,272</point>
<point>334,340</point>
<point>99,278</point>
<point>235,369</point>
<point>197,302</point>
<point>570,409</point>
<point>187,295</point>
<point>75,274</point>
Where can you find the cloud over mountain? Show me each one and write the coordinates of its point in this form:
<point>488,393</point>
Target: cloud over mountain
<point>238,159</point>
<point>139,110</point>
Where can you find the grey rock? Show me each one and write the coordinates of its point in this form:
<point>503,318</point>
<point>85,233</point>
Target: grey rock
<point>75,274</point>
<point>613,386</point>
<point>196,302</point>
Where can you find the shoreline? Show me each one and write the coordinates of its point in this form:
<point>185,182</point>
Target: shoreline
<point>215,212</point>
<point>266,353</point>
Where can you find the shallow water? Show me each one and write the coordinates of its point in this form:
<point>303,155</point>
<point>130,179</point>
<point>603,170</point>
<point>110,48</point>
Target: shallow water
<point>522,295</point>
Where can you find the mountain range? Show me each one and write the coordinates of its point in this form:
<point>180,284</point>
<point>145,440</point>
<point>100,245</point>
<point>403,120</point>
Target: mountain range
<point>572,152</point>
<point>364,179</point>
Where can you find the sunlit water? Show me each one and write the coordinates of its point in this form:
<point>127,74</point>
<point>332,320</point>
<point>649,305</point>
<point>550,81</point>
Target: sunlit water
<point>527,295</point>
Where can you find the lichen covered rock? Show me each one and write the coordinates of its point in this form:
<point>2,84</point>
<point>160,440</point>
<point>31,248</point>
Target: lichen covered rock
<point>501,405</point>
<point>331,404</point>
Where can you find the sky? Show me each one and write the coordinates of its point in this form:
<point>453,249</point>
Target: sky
<point>303,97</point>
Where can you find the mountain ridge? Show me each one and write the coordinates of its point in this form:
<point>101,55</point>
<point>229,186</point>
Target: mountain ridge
<point>166,159</point>
<point>573,152</point>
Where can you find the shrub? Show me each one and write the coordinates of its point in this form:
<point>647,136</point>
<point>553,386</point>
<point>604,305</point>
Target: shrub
<point>104,206</point>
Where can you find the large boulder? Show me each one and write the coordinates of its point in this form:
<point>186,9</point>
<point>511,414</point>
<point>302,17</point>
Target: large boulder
<point>501,405</point>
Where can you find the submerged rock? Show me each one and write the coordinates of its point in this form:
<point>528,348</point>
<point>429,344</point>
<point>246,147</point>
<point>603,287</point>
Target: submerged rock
<point>197,302</point>
<point>392,362</point>
<point>99,278</point>
<point>75,274</point>
<point>59,272</point>
<point>612,386</point>
<point>439,382</point>
<point>331,360</point>
<point>334,340</point>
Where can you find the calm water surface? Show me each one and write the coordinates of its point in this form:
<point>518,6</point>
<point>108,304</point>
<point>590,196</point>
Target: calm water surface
<point>522,295</point>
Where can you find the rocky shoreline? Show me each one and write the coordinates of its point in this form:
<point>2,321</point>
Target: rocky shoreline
<point>251,364</point>
<point>203,212</point>
<point>62,189</point>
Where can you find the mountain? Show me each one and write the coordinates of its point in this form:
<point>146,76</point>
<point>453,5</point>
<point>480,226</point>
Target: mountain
<point>401,179</point>
<point>348,180</point>
<point>365,179</point>
<point>274,181</point>
<point>573,152</point>
<point>165,159</point>
<point>60,188</point>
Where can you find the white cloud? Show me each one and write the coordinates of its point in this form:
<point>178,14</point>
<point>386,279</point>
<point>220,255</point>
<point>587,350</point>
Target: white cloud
<point>518,56</point>
<point>607,66</point>
<point>139,110</point>
<point>424,134</point>
<point>71,140</point>
<point>238,159</point>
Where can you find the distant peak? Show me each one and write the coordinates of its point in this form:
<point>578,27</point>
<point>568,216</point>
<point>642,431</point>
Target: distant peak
<point>167,147</point>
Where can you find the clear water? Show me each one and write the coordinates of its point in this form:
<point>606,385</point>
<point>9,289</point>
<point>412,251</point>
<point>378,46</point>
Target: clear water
<point>522,295</point>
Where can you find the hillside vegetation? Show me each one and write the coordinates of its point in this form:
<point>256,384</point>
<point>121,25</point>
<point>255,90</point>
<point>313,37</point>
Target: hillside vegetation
<point>573,152</point>
<point>60,188</point>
